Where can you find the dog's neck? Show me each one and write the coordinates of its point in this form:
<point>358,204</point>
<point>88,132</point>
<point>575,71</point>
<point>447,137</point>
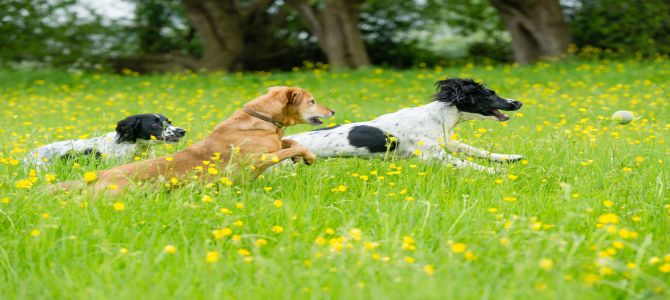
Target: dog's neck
<point>270,110</point>
<point>264,117</point>
<point>449,115</point>
<point>443,114</point>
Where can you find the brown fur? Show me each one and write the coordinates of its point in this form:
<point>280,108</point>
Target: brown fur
<point>252,136</point>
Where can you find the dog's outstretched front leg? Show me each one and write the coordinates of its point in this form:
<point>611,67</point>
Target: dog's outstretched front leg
<point>307,156</point>
<point>462,164</point>
<point>289,143</point>
<point>433,152</point>
<point>456,146</point>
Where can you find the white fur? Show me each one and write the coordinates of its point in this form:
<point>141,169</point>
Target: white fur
<point>426,128</point>
<point>105,144</point>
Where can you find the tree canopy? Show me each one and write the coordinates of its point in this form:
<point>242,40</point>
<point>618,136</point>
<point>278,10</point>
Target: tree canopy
<point>166,35</point>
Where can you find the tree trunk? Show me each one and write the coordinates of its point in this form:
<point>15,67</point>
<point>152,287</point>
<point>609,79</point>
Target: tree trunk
<point>336,29</point>
<point>220,32</point>
<point>537,27</point>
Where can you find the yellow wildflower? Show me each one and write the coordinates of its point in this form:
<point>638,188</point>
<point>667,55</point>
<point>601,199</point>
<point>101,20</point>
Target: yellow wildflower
<point>458,247</point>
<point>169,249</point>
<point>608,218</point>
<point>220,233</point>
<point>546,264</point>
<point>119,206</point>
<point>212,257</point>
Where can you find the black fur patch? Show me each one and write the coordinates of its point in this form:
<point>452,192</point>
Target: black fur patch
<point>326,128</point>
<point>372,138</point>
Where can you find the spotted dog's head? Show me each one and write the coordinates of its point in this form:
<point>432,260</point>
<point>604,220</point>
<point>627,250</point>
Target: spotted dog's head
<point>144,126</point>
<point>473,100</point>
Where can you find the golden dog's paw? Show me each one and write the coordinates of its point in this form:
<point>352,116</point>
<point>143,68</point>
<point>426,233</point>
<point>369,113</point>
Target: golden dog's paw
<point>309,158</point>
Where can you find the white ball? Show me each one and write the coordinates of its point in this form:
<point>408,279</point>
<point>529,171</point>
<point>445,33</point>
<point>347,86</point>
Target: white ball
<point>623,117</point>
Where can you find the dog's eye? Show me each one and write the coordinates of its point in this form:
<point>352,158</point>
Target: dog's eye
<point>312,101</point>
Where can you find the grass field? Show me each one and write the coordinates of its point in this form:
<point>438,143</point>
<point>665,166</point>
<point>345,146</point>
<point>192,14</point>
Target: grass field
<point>585,216</point>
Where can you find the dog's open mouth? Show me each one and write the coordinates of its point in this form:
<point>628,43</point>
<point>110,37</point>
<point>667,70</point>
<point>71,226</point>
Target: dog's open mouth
<point>501,117</point>
<point>315,121</point>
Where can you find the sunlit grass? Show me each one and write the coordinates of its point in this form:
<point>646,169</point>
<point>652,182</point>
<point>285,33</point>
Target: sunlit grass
<point>585,215</point>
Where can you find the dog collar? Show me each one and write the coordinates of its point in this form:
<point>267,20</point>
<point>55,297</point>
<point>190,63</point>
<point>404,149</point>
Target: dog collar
<point>264,118</point>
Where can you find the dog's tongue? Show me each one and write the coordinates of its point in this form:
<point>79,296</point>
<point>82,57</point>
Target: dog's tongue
<point>501,117</point>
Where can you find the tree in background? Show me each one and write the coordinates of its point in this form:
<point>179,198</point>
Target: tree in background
<point>538,28</point>
<point>624,26</point>
<point>53,33</point>
<point>161,27</point>
<point>231,31</point>
<point>167,35</point>
<point>475,30</point>
<point>335,23</point>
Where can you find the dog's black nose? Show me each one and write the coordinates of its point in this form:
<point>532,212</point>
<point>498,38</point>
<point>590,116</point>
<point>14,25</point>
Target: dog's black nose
<point>180,132</point>
<point>332,112</point>
<point>517,104</point>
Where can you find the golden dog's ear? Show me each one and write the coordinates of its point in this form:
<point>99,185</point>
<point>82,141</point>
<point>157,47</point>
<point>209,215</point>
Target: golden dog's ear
<point>293,96</point>
<point>288,95</point>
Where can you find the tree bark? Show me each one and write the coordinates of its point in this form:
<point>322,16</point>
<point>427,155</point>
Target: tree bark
<point>231,33</point>
<point>538,28</point>
<point>335,26</point>
<point>219,29</point>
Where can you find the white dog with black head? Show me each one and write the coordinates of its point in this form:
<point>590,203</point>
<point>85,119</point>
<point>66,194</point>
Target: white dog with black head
<point>423,131</point>
<point>133,135</point>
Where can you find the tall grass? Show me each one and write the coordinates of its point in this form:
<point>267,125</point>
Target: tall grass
<point>585,215</point>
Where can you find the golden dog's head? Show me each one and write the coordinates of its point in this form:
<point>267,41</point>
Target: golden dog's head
<point>290,106</point>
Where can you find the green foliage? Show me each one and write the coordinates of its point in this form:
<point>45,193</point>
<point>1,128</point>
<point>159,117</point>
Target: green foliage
<point>467,31</point>
<point>387,28</point>
<point>51,32</point>
<point>625,26</point>
<point>162,27</point>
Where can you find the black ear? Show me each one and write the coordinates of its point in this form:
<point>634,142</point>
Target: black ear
<point>450,91</point>
<point>126,129</point>
<point>455,90</point>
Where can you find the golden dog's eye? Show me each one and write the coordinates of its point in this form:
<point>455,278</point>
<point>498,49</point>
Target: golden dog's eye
<point>312,101</point>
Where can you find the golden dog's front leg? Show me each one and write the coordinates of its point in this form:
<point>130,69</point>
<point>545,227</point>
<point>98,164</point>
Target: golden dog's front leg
<point>292,152</point>
<point>288,143</point>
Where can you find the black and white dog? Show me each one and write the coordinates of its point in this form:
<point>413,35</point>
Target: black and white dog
<point>133,135</point>
<point>423,131</point>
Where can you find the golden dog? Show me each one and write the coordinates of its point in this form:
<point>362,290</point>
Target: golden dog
<point>252,135</point>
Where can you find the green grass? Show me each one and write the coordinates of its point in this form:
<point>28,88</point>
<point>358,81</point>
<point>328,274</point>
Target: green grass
<point>534,230</point>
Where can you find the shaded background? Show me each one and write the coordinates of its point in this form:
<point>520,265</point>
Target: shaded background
<point>172,35</point>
